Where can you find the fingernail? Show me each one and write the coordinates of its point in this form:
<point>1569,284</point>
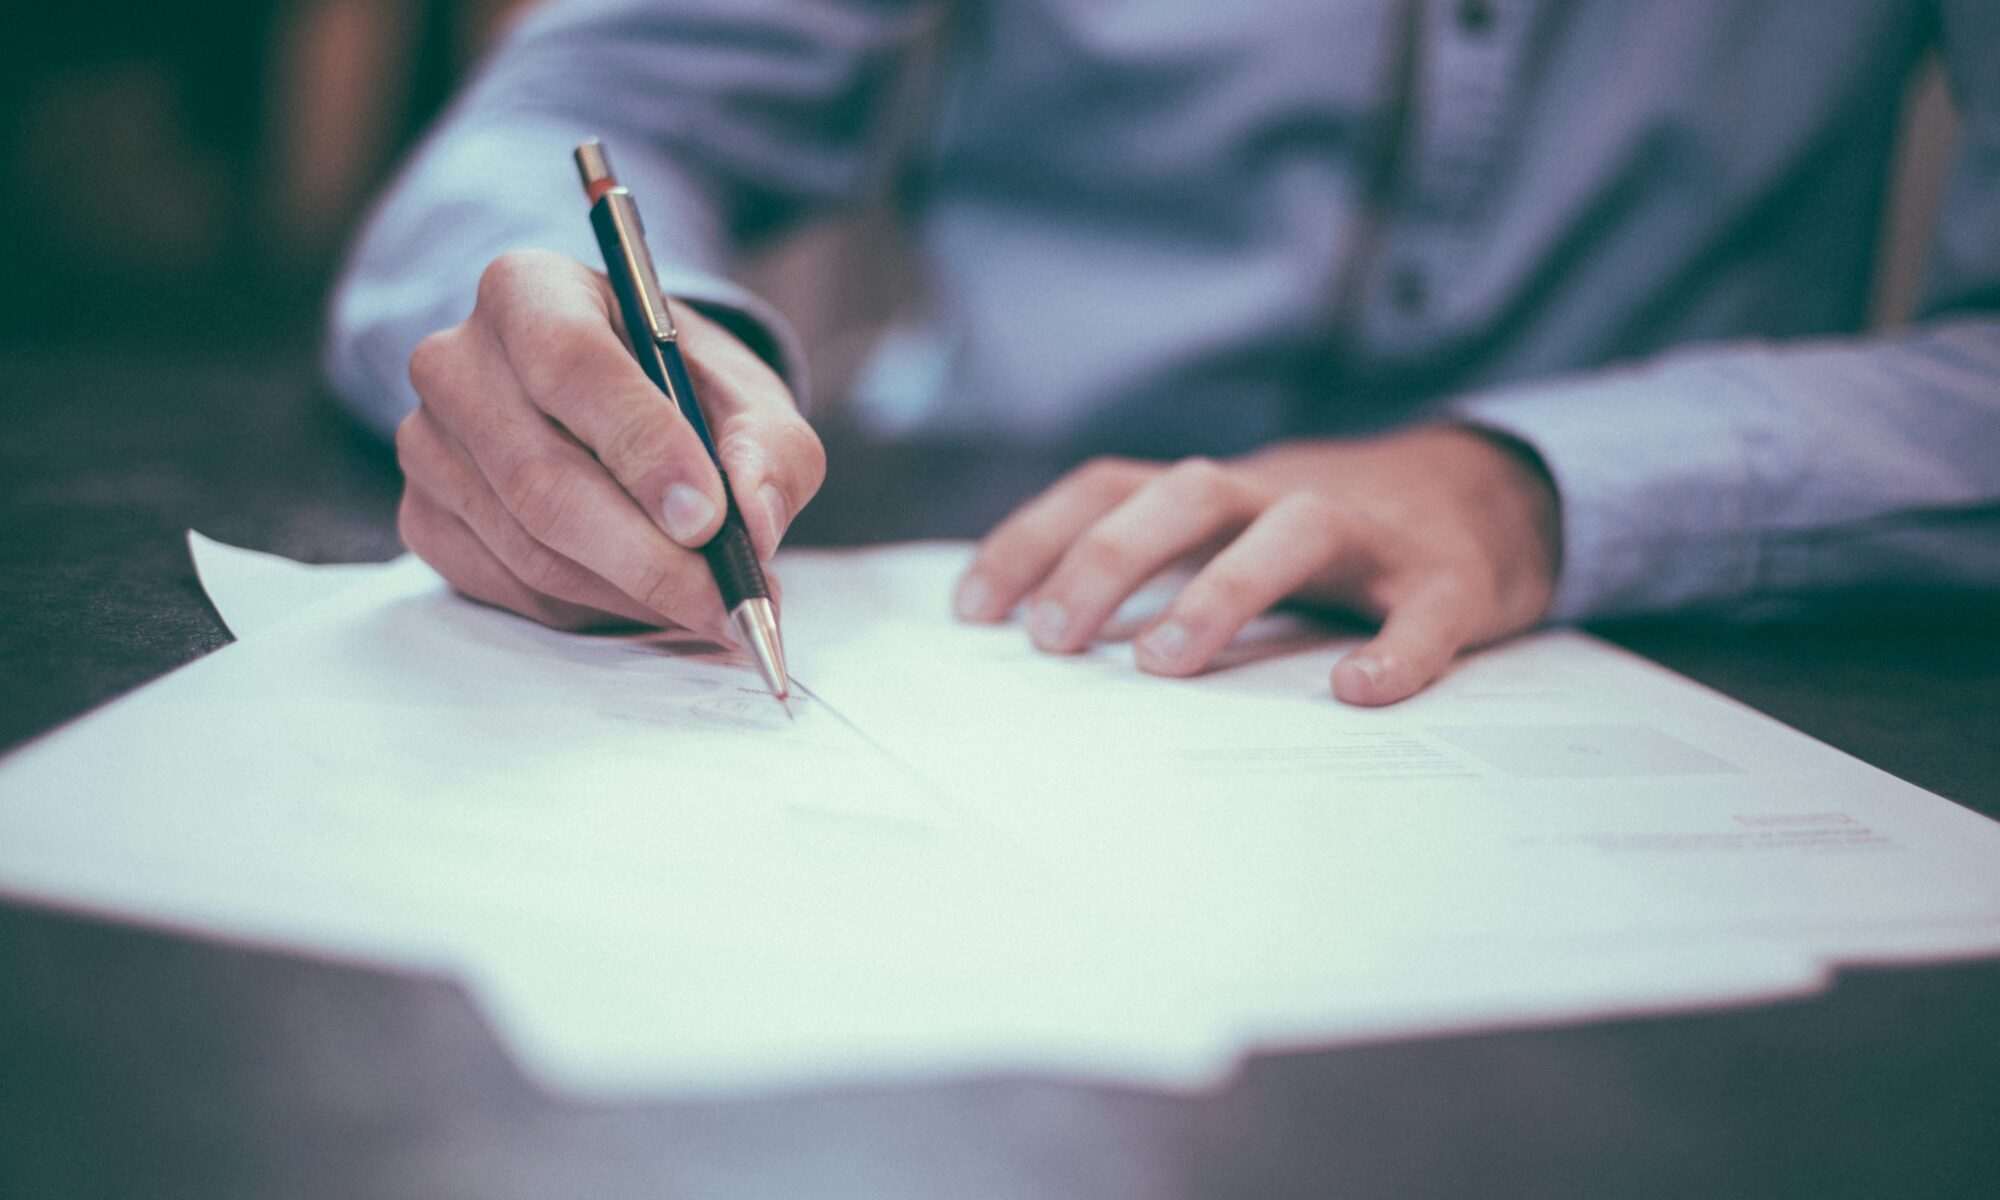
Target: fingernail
<point>975,599</point>
<point>1047,623</point>
<point>1368,667</point>
<point>776,512</point>
<point>687,511</point>
<point>1165,642</point>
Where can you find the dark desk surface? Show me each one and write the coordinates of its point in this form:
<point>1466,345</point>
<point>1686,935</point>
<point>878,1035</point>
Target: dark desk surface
<point>136,1064</point>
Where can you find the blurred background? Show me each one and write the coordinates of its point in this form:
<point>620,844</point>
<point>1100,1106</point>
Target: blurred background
<point>201,161</point>
<point>185,175</point>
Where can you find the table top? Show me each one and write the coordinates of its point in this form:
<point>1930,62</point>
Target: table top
<point>135,1063</point>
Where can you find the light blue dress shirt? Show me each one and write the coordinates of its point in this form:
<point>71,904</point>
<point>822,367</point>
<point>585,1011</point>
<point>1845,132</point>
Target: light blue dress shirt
<point>1635,234</point>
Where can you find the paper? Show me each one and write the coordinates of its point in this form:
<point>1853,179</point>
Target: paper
<point>578,827</point>
<point>253,591</point>
<point>964,855</point>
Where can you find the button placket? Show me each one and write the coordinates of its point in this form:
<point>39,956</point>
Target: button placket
<point>1466,86</point>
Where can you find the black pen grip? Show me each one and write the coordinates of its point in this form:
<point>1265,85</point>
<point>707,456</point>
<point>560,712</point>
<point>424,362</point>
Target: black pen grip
<point>732,559</point>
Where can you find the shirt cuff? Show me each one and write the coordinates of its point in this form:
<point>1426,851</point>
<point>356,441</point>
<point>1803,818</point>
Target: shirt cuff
<point>1653,470</point>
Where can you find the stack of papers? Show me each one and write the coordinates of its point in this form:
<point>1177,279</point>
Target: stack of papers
<point>962,855</point>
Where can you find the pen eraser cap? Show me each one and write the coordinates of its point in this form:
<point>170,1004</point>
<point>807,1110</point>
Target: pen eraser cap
<point>594,165</point>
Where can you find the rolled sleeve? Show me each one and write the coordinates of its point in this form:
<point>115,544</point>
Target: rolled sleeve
<point>416,268</point>
<point>1654,472</point>
<point>729,120</point>
<point>1729,477</point>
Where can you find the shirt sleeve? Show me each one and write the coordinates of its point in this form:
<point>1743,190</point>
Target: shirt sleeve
<point>1743,476</point>
<point>729,119</point>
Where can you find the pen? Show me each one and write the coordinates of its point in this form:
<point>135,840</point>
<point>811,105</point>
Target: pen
<point>656,342</point>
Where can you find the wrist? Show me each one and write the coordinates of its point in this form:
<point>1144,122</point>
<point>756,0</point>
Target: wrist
<point>1509,480</point>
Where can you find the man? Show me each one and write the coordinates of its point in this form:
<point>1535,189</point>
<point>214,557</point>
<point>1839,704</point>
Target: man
<point>1597,268</point>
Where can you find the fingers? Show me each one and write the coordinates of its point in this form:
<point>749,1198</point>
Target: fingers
<point>557,323</point>
<point>553,321</point>
<point>774,459</point>
<point>547,484</point>
<point>1024,548</point>
<point>449,545</point>
<point>1297,539</point>
<point>572,468</point>
<point>450,483</point>
<point>1183,508</point>
<point>1419,638</point>
<point>1307,543</point>
<point>565,501</point>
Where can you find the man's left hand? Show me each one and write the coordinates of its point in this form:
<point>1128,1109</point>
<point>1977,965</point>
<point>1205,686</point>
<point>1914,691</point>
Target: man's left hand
<point>1448,536</point>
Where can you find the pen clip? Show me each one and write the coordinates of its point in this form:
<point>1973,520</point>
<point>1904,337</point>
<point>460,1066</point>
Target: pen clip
<point>625,239</point>
<point>646,289</point>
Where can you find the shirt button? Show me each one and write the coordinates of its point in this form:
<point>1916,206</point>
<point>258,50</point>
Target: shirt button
<point>1475,17</point>
<point>1409,290</point>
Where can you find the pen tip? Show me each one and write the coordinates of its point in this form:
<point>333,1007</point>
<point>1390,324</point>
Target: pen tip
<point>756,625</point>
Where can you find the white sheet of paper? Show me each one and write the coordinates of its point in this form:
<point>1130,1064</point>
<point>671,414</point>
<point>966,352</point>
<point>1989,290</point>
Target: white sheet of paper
<point>1555,800</point>
<point>572,824</point>
<point>254,591</point>
<point>964,855</point>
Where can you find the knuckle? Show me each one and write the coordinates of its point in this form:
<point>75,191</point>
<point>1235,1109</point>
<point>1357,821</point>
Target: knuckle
<point>542,495</point>
<point>799,446</point>
<point>1096,469</point>
<point>430,363</point>
<point>740,445</point>
<point>783,447</point>
<point>1107,474</point>
<point>541,569</point>
<point>1229,591</point>
<point>1316,525</point>
<point>556,360</point>
<point>1455,589</point>
<point>1200,481</point>
<point>638,440</point>
<point>508,274</point>
<point>1101,556</point>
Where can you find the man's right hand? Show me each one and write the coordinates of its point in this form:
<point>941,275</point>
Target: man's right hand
<point>544,473</point>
